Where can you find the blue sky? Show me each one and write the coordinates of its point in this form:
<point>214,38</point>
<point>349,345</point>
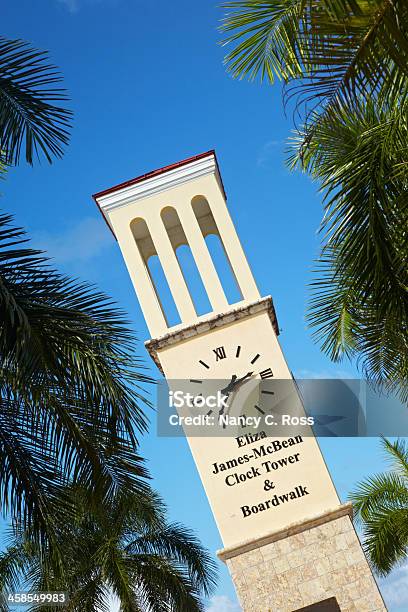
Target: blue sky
<point>148,88</point>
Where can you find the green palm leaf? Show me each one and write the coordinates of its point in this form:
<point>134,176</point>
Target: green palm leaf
<point>124,546</point>
<point>381,506</point>
<point>264,35</point>
<point>345,63</point>
<point>386,538</point>
<point>359,303</point>
<point>335,49</point>
<point>71,388</point>
<point>397,453</point>
<point>32,122</point>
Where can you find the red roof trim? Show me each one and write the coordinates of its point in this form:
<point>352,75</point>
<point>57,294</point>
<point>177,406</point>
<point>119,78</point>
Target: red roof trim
<point>157,172</point>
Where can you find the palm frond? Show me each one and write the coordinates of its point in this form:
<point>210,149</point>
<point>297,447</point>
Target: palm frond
<point>345,64</point>
<point>386,538</point>
<point>331,51</point>
<point>379,492</point>
<point>72,387</point>
<point>381,506</point>
<point>178,543</point>
<point>264,33</point>
<point>110,548</point>
<point>359,303</point>
<point>397,452</point>
<point>32,122</point>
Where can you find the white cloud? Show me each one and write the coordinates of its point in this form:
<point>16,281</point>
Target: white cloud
<point>71,5</point>
<point>394,588</point>
<point>222,603</point>
<point>79,243</point>
<point>266,152</point>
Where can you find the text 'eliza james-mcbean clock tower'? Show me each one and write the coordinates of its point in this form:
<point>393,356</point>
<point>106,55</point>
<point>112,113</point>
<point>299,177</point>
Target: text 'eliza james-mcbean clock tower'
<point>290,548</point>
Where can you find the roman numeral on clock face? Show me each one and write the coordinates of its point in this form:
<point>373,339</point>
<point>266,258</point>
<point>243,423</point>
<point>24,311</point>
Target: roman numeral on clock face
<point>219,353</point>
<point>266,373</point>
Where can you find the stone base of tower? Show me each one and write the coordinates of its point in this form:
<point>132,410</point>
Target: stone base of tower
<point>317,565</point>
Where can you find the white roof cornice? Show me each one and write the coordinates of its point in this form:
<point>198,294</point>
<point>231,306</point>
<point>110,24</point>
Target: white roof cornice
<point>168,179</point>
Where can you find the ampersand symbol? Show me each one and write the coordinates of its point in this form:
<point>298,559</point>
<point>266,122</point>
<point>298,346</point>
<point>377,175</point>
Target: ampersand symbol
<point>268,485</point>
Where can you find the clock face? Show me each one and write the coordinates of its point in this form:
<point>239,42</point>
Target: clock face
<point>243,377</point>
<point>235,371</point>
<point>253,399</point>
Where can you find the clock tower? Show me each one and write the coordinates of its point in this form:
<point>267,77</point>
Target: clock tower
<point>288,541</point>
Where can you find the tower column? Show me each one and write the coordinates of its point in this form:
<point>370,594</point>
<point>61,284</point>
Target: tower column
<point>202,257</point>
<point>171,268</point>
<point>232,245</point>
<point>139,273</point>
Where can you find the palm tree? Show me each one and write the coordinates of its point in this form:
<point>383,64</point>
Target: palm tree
<point>72,402</point>
<point>381,506</point>
<point>359,301</point>
<point>32,121</point>
<point>346,65</point>
<point>331,52</point>
<point>125,548</point>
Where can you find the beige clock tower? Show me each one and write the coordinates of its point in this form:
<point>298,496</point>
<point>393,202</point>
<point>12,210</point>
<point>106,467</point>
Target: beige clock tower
<point>288,542</point>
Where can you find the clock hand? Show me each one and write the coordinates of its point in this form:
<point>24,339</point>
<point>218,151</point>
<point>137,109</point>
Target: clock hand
<point>232,385</point>
<point>239,381</point>
<point>235,382</point>
<point>227,391</point>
